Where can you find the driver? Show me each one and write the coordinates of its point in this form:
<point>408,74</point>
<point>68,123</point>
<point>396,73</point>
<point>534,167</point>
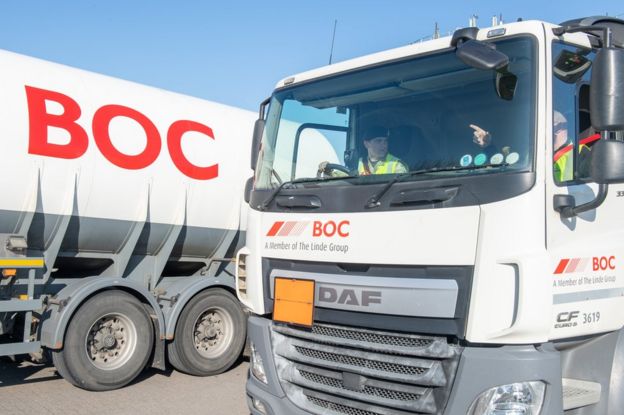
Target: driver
<point>378,160</point>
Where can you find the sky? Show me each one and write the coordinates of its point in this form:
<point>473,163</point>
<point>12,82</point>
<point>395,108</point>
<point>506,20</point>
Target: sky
<point>234,52</point>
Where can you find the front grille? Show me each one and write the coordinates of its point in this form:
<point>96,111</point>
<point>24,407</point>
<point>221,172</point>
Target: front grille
<point>371,337</point>
<point>324,380</point>
<point>359,362</point>
<point>341,409</point>
<point>368,390</point>
<point>339,370</point>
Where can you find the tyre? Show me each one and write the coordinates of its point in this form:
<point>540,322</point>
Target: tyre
<point>210,334</point>
<point>107,343</point>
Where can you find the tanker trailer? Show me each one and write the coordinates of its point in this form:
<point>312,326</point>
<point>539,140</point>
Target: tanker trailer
<point>121,210</point>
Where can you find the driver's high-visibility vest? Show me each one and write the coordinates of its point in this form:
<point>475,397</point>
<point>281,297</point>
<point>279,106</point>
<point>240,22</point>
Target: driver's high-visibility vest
<point>390,165</point>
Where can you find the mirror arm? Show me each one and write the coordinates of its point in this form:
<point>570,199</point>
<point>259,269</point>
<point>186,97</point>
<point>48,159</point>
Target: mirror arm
<point>603,189</point>
<point>606,32</point>
<point>569,211</point>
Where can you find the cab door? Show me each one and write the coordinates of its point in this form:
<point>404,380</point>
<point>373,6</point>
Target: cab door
<point>585,252</point>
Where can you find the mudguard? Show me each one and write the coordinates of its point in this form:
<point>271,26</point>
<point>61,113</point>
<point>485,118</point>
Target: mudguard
<point>60,311</point>
<point>183,291</point>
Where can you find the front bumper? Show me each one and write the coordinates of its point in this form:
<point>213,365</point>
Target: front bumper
<point>479,369</point>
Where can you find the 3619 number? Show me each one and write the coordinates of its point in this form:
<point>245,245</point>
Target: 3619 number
<point>589,318</point>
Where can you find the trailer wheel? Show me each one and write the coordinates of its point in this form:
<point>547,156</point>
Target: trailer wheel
<point>210,334</point>
<point>107,342</point>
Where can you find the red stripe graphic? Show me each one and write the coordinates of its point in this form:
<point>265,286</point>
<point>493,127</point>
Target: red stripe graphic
<point>300,228</point>
<point>276,227</point>
<point>572,266</point>
<point>582,265</point>
<point>562,265</point>
<point>287,228</point>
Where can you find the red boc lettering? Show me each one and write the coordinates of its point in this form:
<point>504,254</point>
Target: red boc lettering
<point>40,121</point>
<point>174,143</point>
<point>317,228</point>
<point>330,228</point>
<point>341,228</point>
<point>101,121</point>
<point>603,263</point>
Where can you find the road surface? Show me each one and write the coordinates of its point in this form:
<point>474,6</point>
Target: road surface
<point>27,388</point>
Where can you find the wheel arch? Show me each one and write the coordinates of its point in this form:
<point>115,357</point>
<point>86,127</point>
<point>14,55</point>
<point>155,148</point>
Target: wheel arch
<point>186,291</point>
<point>56,317</point>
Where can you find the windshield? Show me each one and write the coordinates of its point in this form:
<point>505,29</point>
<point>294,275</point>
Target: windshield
<point>430,113</point>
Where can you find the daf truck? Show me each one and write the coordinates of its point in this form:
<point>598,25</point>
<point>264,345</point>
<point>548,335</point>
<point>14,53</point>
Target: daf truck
<point>484,277</point>
<point>121,211</point>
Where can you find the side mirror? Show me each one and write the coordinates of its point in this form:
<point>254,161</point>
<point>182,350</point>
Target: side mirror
<point>255,143</point>
<point>606,96</point>
<point>257,133</point>
<point>481,55</point>
<point>506,84</point>
<point>569,67</point>
<point>607,162</point>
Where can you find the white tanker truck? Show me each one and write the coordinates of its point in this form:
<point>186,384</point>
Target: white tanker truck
<point>119,217</point>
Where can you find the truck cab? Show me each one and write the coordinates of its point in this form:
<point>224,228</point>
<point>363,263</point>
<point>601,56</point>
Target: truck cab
<point>482,273</point>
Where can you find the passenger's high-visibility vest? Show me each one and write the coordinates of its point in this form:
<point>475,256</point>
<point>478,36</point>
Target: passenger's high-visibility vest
<point>563,166</point>
<point>390,165</point>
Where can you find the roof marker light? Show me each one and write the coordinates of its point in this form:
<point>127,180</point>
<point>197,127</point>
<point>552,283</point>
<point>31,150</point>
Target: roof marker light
<point>496,32</point>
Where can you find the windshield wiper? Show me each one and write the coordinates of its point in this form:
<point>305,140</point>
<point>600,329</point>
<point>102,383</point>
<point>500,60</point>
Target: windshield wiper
<point>374,201</point>
<point>264,205</point>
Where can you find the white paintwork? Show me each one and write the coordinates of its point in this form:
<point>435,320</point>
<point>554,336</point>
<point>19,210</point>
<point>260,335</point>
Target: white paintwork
<point>593,234</point>
<point>416,238</point>
<point>368,239</point>
<point>104,190</point>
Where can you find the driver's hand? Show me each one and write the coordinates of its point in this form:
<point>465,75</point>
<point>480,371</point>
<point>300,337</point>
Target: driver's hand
<point>322,168</point>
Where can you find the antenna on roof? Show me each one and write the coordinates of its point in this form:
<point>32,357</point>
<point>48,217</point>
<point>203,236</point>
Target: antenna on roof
<point>331,51</point>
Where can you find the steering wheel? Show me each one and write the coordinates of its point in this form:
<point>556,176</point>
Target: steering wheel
<point>325,170</point>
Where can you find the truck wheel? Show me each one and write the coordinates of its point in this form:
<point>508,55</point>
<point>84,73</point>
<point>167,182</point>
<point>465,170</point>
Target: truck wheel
<point>209,335</point>
<point>107,342</point>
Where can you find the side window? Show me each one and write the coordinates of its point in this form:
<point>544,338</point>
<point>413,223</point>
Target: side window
<point>306,137</point>
<point>572,133</point>
<point>316,143</point>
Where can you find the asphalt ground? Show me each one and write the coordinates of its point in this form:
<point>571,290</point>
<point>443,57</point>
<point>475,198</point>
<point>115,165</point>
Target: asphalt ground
<point>28,388</point>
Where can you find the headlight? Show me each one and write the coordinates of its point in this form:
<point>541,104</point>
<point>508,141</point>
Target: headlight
<point>523,398</point>
<point>257,365</point>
